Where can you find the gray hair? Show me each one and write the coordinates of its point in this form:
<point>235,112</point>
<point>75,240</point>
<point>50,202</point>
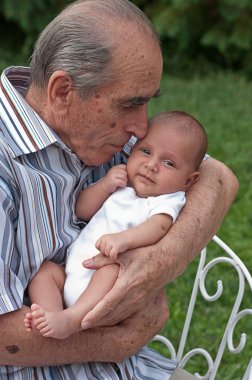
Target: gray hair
<point>81,41</point>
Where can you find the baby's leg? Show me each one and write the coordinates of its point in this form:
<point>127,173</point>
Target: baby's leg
<point>46,289</point>
<point>61,324</point>
<point>100,284</point>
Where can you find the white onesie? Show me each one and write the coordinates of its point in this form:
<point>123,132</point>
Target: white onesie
<point>122,210</point>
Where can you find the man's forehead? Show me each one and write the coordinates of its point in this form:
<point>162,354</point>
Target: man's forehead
<point>139,58</point>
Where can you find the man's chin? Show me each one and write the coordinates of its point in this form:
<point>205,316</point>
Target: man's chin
<point>100,157</point>
<point>97,161</point>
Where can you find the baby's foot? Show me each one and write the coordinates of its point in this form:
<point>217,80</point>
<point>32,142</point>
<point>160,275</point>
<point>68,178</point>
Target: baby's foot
<point>28,322</point>
<point>54,324</point>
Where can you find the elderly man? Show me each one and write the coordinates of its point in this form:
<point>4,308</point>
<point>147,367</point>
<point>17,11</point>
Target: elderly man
<point>64,122</point>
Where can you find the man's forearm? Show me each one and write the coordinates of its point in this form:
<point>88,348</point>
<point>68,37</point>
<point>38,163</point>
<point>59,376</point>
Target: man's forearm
<point>107,344</point>
<point>19,347</point>
<point>207,204</point>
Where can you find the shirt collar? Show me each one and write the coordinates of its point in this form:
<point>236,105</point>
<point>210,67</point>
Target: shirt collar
<point>23,129</point>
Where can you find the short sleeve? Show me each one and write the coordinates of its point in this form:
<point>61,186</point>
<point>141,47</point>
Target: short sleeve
<point>170,204</point>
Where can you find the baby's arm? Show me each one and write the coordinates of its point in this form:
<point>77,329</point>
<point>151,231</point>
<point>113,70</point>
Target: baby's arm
<point>147,233</point>
<point>91,199</point>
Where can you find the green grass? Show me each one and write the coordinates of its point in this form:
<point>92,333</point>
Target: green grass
<point>222,102</point>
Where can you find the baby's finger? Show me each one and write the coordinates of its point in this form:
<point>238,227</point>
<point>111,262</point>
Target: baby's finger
<point>98,244</point>
<point>113,253</point>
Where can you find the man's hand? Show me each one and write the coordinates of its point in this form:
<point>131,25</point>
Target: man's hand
<point>147,322</point>
<point>137,284</point>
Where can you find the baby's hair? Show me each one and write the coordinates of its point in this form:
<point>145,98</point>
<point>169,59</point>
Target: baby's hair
<point>187,124</point>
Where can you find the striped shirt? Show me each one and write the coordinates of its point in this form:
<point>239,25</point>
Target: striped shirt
<point>40,178</point>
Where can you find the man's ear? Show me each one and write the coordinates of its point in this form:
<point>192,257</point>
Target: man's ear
<point>59,91</point>
<point>191,180</point>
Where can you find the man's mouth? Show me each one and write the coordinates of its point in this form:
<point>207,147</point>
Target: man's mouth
<point>117,147</point>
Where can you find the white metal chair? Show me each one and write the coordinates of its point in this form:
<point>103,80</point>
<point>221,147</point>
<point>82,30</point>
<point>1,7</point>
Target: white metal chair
<point>224,255</point>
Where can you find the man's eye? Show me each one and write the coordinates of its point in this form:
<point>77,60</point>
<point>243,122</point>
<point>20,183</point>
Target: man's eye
<point>128,106</point>
<point>168,163</point>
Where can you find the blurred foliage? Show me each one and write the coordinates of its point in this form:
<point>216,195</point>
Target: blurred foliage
<point>205,33</point>
<point>20,24</point>
<point>199,34</point>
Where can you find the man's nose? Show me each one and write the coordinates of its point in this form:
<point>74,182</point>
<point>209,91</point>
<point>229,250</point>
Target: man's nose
<point>139,126</point>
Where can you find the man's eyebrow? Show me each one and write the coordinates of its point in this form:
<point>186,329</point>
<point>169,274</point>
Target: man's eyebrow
<point>144,99</point>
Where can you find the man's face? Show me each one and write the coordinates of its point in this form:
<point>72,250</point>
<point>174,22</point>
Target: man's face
<point>100,126</point>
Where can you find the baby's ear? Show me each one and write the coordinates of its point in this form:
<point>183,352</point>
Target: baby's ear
<point>191,180</point>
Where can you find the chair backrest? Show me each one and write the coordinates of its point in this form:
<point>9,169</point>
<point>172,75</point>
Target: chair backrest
<point>244,288</point>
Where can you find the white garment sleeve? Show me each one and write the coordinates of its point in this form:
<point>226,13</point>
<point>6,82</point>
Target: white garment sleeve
<point>170,204</point>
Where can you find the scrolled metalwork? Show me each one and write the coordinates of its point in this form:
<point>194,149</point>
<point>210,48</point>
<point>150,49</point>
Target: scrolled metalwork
<point>231,327</point>
<point>203,272</point>
<point>205,354</point>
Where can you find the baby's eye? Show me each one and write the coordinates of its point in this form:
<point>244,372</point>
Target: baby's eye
<point>145,151</point>
<point>168,163</point>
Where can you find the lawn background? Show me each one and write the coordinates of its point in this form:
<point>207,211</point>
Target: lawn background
<point>222,102</point>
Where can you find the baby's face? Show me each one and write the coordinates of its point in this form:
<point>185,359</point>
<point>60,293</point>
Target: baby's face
<point>161,163</point>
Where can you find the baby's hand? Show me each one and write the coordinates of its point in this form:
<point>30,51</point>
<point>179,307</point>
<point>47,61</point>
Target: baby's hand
<point>112,244</point>
<point>116,177</point>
